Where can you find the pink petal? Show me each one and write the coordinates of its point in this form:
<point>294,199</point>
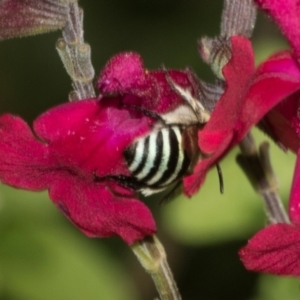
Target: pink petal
<point>98,213</point>
<point>77,149</point>
<point>122,73</point>
<point>24,161</point>
<point>286,14</point>
<point>29,17</point>
<point>275,80</point>
<point>275,249</point>
<point>90,136</point>
<point>56,123</point>
<point>223,130</point>
<point>226,116</point>
<point>283,123</point>
<point>125,75</point>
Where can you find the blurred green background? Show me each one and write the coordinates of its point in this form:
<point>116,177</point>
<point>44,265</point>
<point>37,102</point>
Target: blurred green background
<point>43,257</point>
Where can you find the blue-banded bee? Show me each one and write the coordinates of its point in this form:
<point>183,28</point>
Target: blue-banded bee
<point>170,150</point>
<point>162,157</point>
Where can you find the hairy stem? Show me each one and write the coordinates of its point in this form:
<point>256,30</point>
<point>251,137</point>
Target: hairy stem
<point>274,208</point>
<point>76,55</point>
<point>238,18</point>
<point>152,256</point>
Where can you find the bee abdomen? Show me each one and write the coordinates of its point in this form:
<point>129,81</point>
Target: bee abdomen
<point>158,159</point>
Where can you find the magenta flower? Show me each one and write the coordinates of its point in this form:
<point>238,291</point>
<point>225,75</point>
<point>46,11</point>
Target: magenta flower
<point>275,249</point>
<point>76,150</point>
<point>248,96</point>
<point>73,143</point>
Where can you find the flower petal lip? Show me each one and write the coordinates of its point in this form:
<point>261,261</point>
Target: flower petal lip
<point>24,160</point>
<point>96,211</point>
<point>73,142</point>
<point>275,250</point>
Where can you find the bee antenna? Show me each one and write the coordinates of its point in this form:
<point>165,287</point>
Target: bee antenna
<point>220,178</point>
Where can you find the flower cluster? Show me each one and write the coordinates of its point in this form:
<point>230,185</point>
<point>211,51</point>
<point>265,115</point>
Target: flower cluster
<point>76,150</point>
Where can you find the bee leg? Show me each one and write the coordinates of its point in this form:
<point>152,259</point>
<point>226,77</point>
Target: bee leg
<point>126,181</point>
<point>220,178</point>
<point>168,197</point>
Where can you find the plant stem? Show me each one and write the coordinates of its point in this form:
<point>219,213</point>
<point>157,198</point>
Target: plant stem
<point>76,55</point>
<point>257,166</point>
<point>274,208</point>
<point>152,256</point>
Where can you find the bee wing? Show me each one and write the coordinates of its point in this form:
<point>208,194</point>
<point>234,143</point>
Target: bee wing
<point>208,94</point>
